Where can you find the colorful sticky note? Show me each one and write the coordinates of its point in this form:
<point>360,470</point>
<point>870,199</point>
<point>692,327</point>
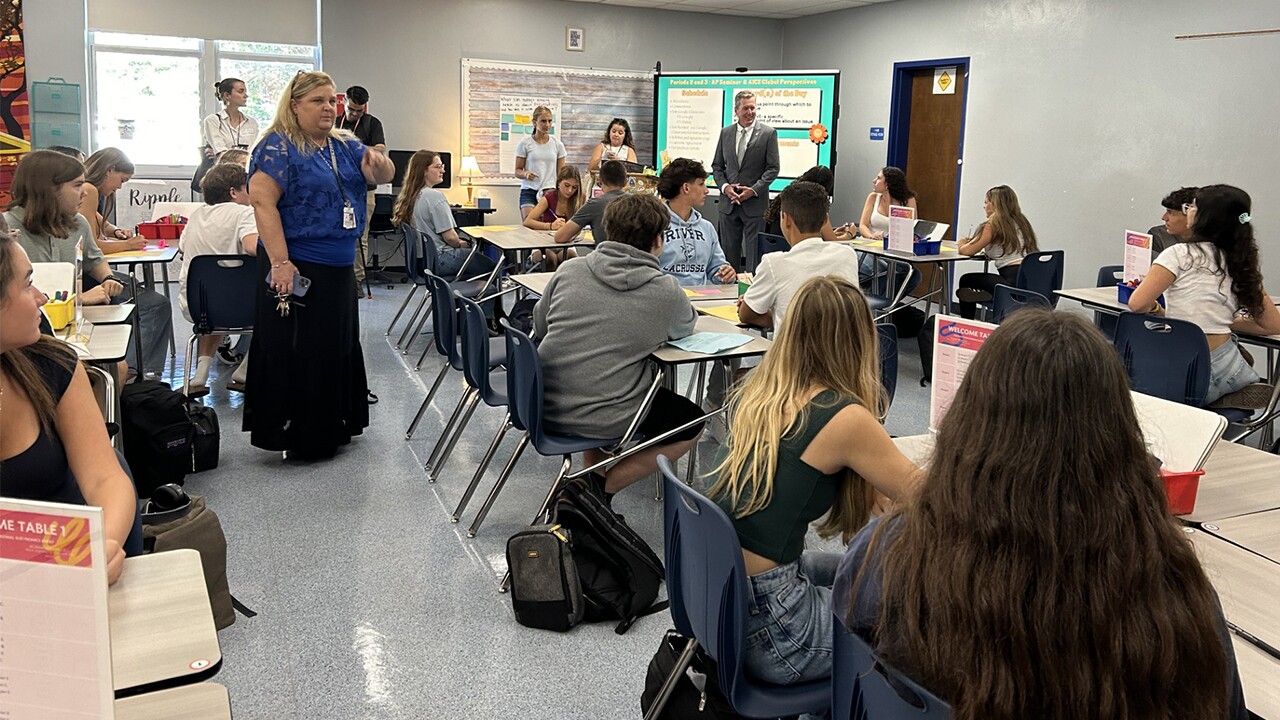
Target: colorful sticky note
<point>724,312</point>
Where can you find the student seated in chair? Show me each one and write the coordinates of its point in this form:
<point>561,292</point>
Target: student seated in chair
<point>805,441</point>
<point>1007,238</point>
<point>224,226</point>
<point>613,180</point>
<point>1036,570</point>
<point>804,212</point>
<point>600,318</point>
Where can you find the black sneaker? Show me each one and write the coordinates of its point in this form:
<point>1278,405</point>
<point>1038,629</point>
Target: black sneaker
<point>228,356</point>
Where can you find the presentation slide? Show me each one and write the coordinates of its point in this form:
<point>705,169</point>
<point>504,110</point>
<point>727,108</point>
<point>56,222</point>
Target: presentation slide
<point>802,106</point>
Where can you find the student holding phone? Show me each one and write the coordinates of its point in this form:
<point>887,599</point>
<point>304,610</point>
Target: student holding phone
<point>307,392</point>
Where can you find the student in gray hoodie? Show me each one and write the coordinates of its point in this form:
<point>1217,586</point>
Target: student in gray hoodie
<point>692,253</point>
<point>600,318</point>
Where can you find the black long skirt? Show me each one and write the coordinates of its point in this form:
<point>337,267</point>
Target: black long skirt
<point>306,390</point>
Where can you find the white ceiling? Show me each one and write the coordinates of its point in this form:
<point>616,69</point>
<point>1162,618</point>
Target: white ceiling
<point>775,9</point>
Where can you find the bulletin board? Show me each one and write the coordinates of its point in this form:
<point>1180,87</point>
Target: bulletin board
<point>498,99</point>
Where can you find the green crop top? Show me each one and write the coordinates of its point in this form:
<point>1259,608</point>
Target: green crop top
<point>801,493</point>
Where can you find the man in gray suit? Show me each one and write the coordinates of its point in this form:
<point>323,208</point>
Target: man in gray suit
<point>746,162</point>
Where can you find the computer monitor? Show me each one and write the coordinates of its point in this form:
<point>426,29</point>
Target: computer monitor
<point>400,158</point>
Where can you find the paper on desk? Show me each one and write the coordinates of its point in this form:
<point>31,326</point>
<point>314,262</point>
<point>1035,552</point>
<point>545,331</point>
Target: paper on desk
<point>148,252</point>
<point>724,312</point>
<point>497,228</point>
<point>709,343</point>
<point>690,292</point>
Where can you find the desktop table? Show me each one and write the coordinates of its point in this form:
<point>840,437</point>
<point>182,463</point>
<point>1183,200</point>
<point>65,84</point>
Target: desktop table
<point>162,631</point>
<point>535,283</point>
<point>107,343</point>
<point>148,258</point>
<point>1248,586</point>
<point>1238,480</point>
<point>1258,532</point>
<point>518,240</point>
<point>116,315</point>
<point>945,261</point>
<point>202,701</point>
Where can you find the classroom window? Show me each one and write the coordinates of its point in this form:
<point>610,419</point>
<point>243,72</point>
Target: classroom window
<point>146,97</point>
<point>265,68</point>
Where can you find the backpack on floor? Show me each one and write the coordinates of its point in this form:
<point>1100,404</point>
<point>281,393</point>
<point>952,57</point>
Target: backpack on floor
<point>619,573</point>
<point>198,529</point>
<point>166,435</point>
<point>545,591</point>
<point>908,320</point>
<point>925,340</point>
<point>696,695</point>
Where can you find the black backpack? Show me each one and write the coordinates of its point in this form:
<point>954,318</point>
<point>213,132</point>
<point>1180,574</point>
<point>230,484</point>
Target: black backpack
<point>696,695</point>
<point>545,591</point>
<point>618,571</point>
<point>166,435</point>
<point>925,340</point>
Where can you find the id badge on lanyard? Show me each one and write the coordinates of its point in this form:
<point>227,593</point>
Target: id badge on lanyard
<point>348,212</point>
<point>348,217</point>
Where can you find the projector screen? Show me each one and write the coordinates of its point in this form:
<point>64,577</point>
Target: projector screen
<point>802,105</point>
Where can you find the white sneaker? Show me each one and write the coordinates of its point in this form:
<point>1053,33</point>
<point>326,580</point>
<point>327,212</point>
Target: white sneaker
<point>716,427</point>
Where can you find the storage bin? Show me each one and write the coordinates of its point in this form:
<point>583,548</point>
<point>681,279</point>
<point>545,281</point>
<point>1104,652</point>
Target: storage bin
<point>60,313</point>
<point>47,132</point>
<point>55,96</point>
<point>1181,488</point>
<point>160,230</point>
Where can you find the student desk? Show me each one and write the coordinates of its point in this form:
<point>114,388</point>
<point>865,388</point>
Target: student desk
<point>115,315</point>
<point>1248,586</point>
<point>202,701</point>
<point>940,284</point>
<point>517,241</point>
<point>161,624</point>
<point>535,283</point>
<point>148,258</point>
<point>107,344</point>
<point>1258,532</point>
<point>1238,480</point>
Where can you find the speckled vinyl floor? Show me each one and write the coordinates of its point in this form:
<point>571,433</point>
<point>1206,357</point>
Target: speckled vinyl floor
<point>372,605</point>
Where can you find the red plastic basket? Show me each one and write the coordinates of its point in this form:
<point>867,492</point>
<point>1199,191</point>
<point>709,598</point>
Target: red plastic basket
<point>1180,488</point>
<point>161,230</point>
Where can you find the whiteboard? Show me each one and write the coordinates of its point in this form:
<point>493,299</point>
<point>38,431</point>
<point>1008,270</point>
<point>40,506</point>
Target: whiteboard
<point>495,92</point>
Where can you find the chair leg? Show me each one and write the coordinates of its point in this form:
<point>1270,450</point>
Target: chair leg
<point>497,486</point>
<point>669,685</point>
<point>425,351</point>
<point>408,328</point>
<point>422,409</point>
<point>186,364</point>
<point>484,465</point>
<point>448,430</point>
<point>413,289</point>
<point>565,465</point>
<point>448,449</point>
<point>404,349</point>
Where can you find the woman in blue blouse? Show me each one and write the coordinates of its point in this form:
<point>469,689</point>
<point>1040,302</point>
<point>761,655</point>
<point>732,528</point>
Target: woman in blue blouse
<point>306,387</point>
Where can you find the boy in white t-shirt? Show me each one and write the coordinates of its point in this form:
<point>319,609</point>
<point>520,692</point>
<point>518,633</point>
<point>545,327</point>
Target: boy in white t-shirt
<point>225,226</point>
<point>805,209</point>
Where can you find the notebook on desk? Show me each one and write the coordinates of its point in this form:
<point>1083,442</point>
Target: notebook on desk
<point>1180,435</point>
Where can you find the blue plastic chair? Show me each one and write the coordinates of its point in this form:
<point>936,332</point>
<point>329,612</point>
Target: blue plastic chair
<point>1168,359</point>
<point>525,401</point>
<point>415,269</point>
<point>768,243</point>
<point>415,243</point>
<point>222,298</point>
<point>480,354</point>
<point>1041,272</point>
<point>709,592</point>
<point>888,360</point>
<point>445,337</point>
<point>890,285</point>
<point>1108,276</point>
<point>863,686</point>
<point>1008,299</point>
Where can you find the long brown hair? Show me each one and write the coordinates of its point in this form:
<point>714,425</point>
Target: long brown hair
<point>102,162</point>
<point>828,340</point>
<point>1010,229</point>
<point>35,190</point>
<point>1037,572</point>
<point>566,207</point>
<point>415,179</point>
<point>19,363</point>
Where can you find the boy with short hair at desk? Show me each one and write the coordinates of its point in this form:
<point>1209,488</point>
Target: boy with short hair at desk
<point>600,318</point>
<point>224,226</point>
<point>805,207</point>
<point>613,180</point>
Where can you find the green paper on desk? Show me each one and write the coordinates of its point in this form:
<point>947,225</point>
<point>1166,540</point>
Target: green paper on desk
<point>709,343</point>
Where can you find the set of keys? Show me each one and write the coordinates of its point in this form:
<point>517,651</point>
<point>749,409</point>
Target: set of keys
<point>285,303</point>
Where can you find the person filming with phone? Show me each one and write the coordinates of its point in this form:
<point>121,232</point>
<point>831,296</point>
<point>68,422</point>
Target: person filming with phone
<point>307,393</point>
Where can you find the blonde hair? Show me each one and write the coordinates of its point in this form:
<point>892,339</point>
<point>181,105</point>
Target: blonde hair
<point>234,156</point>
<point>566,207</point>
<point>96,167</point>
<point>827,340</point>
<point>1010,229</point>
<point>539,112</point>
<point>415,179</point>
<point>286,123</point>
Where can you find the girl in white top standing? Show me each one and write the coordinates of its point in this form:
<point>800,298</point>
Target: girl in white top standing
<point>229,128</point>
<point>889,188</point>
<point>539,158</point>
<point>1007,238</point>
<point>1215,282</point>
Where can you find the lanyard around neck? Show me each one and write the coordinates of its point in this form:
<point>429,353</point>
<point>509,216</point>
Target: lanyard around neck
<point>333,163</point>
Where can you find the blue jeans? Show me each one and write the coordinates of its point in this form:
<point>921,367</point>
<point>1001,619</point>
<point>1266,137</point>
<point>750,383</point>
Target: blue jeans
<point>452,258</point>
<point>1228,370</point>
<point>528,197</point>
<point>789,621</point>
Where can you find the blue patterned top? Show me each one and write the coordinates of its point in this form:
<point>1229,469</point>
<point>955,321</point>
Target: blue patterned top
<point>311,204</point>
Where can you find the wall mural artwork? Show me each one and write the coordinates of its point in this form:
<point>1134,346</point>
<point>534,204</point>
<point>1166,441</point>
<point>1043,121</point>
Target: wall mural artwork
<point>15,108</point>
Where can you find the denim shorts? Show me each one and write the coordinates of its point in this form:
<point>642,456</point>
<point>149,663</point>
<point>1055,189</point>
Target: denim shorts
<point>528,197</point>
<point>1228,370</point>
<point>789,621</point>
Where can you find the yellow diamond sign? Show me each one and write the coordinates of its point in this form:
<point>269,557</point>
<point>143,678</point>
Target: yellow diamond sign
<point>944,81</point>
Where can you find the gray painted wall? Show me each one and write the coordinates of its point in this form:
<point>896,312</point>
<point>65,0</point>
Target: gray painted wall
<point>408,52</point>
<point>1089,109</point>
<point>54,34</point>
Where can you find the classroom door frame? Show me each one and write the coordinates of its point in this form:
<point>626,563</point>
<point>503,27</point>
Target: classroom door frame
<point>900,115</point>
